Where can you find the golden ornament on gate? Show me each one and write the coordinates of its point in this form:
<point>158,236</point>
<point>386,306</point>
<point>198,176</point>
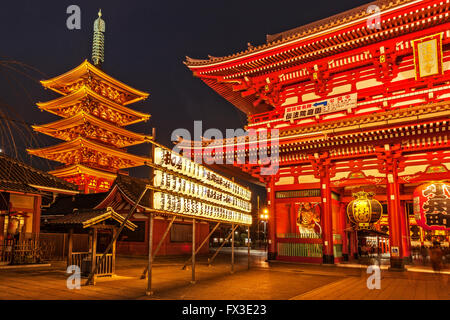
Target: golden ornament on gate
<point>364,211</point>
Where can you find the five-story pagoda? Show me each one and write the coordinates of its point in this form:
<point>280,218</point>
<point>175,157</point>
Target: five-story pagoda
<point>94,111</point>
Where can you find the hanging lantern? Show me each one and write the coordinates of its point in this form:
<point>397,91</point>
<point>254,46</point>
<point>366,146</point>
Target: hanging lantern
<point>13,226</point>
<point>432,206</point>
<point>364,211</point>
<point>159,155</point>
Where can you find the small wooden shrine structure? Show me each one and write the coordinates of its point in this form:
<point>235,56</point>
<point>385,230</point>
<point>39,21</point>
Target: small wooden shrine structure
<point>94,222</point>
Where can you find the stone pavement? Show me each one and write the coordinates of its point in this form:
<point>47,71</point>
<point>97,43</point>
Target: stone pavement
<point>278,281</point>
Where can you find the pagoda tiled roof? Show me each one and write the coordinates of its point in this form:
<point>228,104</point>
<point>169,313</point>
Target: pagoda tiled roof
<point>83,117</point>
<point>81,142</point>
<point>58,82</point>
<point>18,176</point>
<point>81,169</point>
<point>75,97</point>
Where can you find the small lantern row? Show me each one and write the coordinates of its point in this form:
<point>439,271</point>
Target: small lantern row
<point>178,204</point>
<point>182,165</point>
<point>173,183</point>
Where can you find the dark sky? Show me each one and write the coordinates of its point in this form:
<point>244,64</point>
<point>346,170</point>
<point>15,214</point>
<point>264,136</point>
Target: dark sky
<point>146,42</point>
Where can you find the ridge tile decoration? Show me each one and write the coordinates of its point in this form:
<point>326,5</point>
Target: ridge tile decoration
<point>94,114</point>
<point>188,188</point>
<point>357,108</point>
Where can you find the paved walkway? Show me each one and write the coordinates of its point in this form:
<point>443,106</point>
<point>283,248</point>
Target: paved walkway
<point>278,281</point>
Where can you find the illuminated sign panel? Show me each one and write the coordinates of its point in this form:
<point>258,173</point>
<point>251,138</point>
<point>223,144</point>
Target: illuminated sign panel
<point>330,105</point>
<point>172,183</point>
<point>432,206</point>
<point>179,204</point>
<point>184,166</point>
<point>185,187</point>
<point>428,56</point>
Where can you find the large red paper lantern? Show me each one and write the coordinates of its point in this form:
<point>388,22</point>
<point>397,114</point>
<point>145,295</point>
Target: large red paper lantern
<point>432,206</point>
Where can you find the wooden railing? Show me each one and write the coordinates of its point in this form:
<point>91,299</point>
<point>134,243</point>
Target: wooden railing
<point>107,268</point>
<point>27,251</point>
<point>6,251</point>
<point>78,257</point>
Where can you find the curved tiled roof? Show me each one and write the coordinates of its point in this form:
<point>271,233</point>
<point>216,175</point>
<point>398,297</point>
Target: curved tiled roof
<point>87,218</point>
<point>67,204</point>
<point>304,31</point>
<point>133,187</point>
<point>19,176</point>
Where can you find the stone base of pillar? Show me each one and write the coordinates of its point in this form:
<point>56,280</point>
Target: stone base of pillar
<point>355,256</point>
<point>328,259</point>
<point>407,260</point>
<point>397,264</point>
<point>271,256</point>
<point>345,257</point>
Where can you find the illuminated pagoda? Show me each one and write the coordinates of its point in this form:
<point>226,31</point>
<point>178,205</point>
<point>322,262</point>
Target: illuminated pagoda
<point>361,102</point>
<point>94,115</point>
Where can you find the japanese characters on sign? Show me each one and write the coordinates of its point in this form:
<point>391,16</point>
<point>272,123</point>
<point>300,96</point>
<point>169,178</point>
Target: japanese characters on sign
<point>177,163</point>
<point>172,183</point>
<point>178,204</point>
<point>190,189</point>
<point>428,56</point>
<point>311,109</point>
<point>364,211</point>
<point>432,206</point>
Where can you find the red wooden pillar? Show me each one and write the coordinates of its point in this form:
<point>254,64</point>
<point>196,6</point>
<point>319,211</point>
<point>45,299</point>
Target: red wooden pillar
<point>2,228</point>
<point>394,214</point>
<point>343,227</point>
<point>37,215</point>
<point>272,246</point>
<point>86,185</point>
<point>405,233</point>
<point>327,222</point>
<point>353,245</point>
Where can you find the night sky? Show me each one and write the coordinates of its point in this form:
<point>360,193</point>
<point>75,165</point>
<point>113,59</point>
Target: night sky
<point>145,45</point>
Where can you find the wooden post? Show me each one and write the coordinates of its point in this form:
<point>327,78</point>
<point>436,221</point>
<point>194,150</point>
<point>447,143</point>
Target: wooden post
<point>327,217</point>
<point>114,231</point>
<point>193,251</point>
<point>394,218</point>
<point>271,241</point>
<point>70,248</point>
<point>232,249</point>
<point>343,227</point>
<point>94,253</point>
<point>149,291</point>
<point>144,274</point>
<point>63,250</point>
<point>221,246</point>
<point>248,247</point>
<point>202,244</point>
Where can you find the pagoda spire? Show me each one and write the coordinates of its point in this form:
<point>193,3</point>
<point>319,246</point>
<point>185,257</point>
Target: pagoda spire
<point>98,44</point>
